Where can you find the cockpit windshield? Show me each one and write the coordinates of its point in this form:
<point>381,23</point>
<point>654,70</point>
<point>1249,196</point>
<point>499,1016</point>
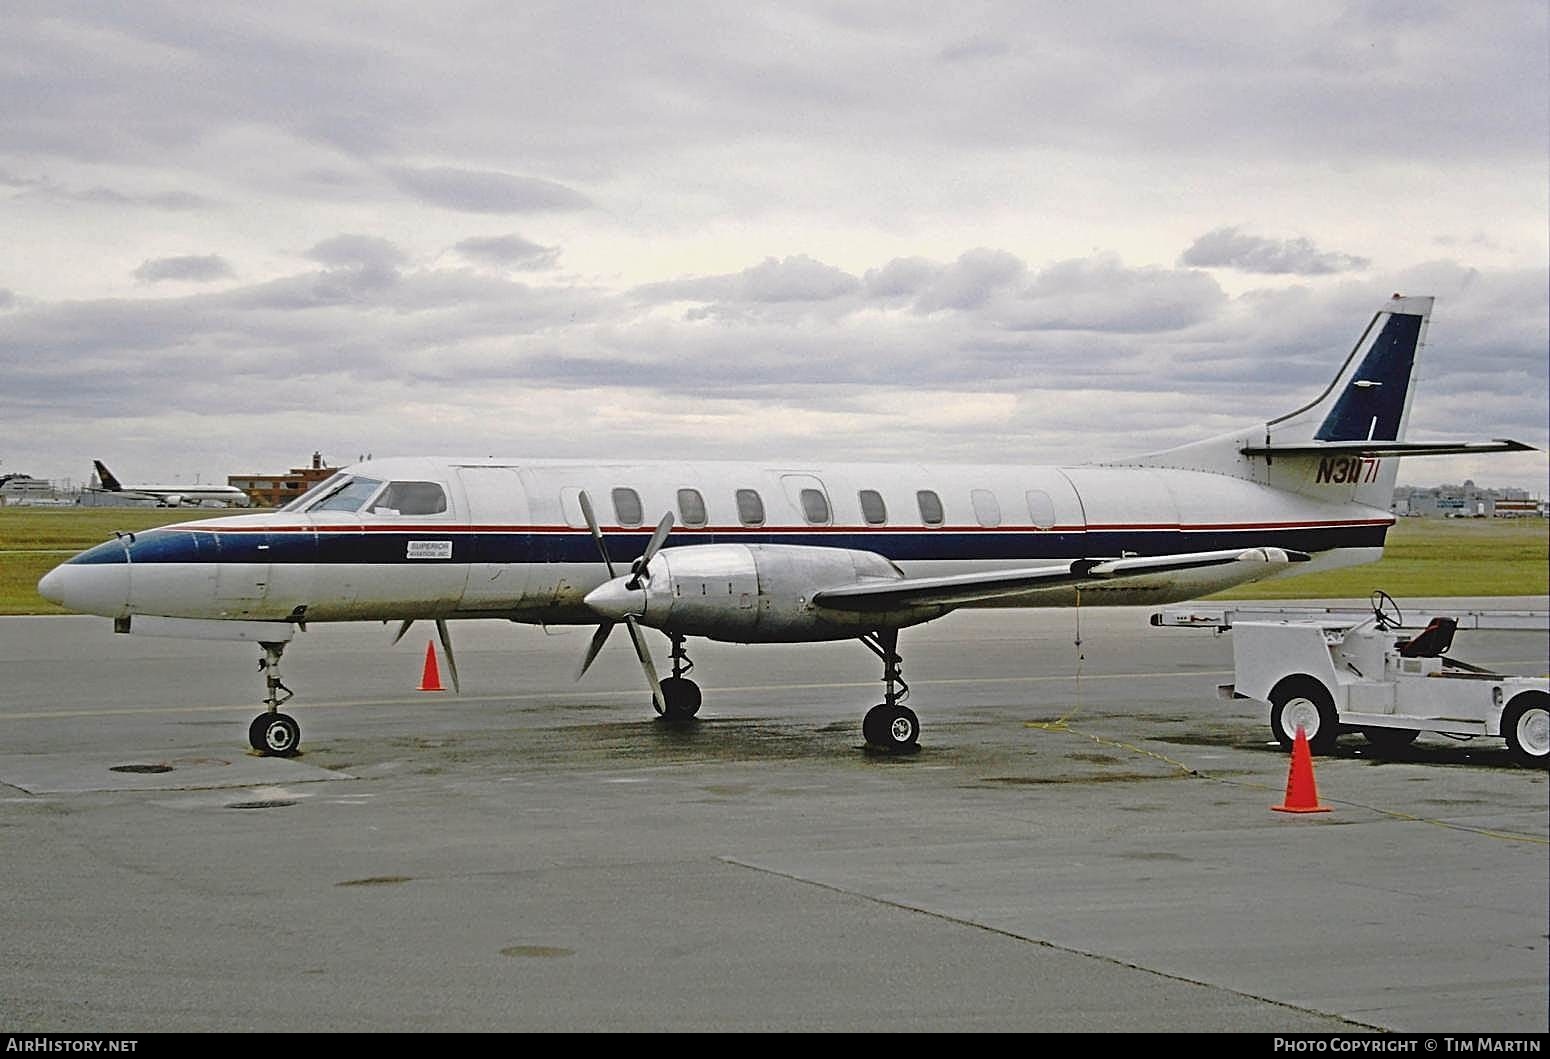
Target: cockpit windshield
<point>349,496</point>
<point>323,488</point>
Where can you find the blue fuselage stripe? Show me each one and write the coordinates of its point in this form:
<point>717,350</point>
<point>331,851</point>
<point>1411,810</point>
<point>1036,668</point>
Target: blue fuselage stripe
<point>390,548</point>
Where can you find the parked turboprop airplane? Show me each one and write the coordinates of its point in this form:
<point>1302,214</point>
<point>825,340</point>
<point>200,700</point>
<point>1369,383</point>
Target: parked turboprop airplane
<point>777,553</point>
<point>173,495</point>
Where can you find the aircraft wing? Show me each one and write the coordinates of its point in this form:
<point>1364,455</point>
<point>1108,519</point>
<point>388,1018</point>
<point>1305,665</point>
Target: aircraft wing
<point>1388,448</point>
<point>960,589</point>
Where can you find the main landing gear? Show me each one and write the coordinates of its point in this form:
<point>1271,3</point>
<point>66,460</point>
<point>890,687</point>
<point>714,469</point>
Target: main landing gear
<point>890,725</point>
<point>273,733</point>
<point>680,695</point>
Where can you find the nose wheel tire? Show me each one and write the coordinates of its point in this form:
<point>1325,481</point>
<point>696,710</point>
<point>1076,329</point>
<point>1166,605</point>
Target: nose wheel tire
<point>891,727</point>
<point>682,696</point>
<point>275,735</point>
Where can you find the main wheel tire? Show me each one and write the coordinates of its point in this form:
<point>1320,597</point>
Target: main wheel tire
<point>1390,740</point>
<point>1303,702</point>
<point>1526,727</point>
<point>683,698</point>
<point>279,735</point>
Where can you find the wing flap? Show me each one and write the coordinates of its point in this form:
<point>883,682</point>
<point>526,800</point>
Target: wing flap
<point>961,589</point>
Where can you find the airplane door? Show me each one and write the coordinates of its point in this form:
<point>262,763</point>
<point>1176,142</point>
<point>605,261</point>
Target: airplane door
<point>503,551</point>
<point>811,510</point>
<point>242,575</point>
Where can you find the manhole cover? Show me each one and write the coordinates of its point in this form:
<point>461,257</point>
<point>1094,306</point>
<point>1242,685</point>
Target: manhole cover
<point>538,952</point>
<point>141,768</point>
<point>273,804</point>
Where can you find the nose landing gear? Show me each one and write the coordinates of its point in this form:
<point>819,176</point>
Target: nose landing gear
<point>680,694</point>
<point>273,733</point>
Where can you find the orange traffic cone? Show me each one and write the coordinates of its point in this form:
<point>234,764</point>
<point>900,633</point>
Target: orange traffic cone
<point>1302,794</point>
<point>430,680</point>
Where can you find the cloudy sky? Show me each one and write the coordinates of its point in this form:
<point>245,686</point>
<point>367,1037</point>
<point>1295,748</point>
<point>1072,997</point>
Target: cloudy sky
<point>1032,232</point>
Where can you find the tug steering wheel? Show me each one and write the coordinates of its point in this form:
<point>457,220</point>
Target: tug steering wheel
<point>1382,606</point>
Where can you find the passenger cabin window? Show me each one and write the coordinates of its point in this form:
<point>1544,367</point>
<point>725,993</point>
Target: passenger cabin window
<point>349,498</point>
<point>986,509</point>
<point>1041,509</point>
<point>691,507</point>
<point>873,510</point>
<point>815,507</point>
<point>750,507</point>
<point>627,509</point>
<point>410,498</point>
<point>930,507</point>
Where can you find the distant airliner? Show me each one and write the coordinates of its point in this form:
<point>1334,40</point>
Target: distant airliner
<point>778,552</point>
<point>173,495</point>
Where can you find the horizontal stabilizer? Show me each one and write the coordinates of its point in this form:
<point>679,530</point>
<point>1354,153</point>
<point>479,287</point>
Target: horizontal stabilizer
<point>962,589</point>
<point>1389,448</point>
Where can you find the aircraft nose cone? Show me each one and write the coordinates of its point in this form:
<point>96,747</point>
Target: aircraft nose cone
<point>612,600</point>
<point>89,589</point>
<point>52,585</point>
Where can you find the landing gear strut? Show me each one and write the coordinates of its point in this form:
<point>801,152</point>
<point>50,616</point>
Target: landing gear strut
<point>680,694</point>
<point>890,725</point>
<point>273,733</point>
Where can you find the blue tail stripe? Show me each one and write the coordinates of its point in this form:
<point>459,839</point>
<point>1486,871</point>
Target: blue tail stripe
<point>1367,412</point>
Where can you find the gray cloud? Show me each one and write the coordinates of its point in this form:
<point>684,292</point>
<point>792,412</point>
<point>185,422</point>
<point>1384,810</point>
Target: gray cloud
<point>970,281</point>
<point>1102,294</point>
<point>482,191</point>
<point>903,277</point>
<point>161,200</point>
<point>46,189</point>
<point>793,279</point>
<point>191,268</point>
<point>358,251</point>
<point>1228,247</point>
<point>510,251</point>
<point>7,298</point>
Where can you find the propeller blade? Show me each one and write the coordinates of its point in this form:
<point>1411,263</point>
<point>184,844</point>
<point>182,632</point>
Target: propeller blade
<point>654,545</point>
<point>597,534</point>
<point>644,654</point>
<point>401,630</point>
<point>446,647</point>
<point>599,638</point>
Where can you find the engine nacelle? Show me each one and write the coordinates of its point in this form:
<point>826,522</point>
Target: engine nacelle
<point>173,499</point>
<point>762,593</point>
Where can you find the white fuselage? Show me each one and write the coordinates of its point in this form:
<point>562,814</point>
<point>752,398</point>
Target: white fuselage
<point>510,540</point>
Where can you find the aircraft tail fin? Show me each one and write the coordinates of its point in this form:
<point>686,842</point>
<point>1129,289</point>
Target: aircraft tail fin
<point>105,476</point>
<point>1369,398</point>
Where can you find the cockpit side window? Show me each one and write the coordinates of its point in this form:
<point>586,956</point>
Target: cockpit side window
<point>349,498</point>
<point>410,498</point>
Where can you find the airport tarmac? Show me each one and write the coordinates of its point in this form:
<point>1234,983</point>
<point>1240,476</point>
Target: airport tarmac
<point>1089,854</point>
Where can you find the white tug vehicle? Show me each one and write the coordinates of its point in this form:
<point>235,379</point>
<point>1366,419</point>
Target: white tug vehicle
<point>1331,671</point>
